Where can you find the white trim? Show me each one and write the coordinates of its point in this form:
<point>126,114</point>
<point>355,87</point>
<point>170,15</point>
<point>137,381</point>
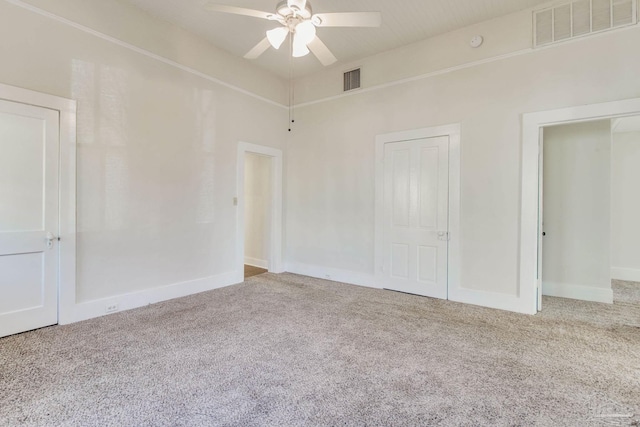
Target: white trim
<point>67,202</point>
<point>255,262</point>
<point>614,125</point>
<point>453,132</point>
<point>334,274</point>
<point>275,250</point>
<point>141,51</point>
<point>625,274</point>
<point>497,300</point>
<point>96,308</point>
<point>531,125</point>
<point>578,292</point>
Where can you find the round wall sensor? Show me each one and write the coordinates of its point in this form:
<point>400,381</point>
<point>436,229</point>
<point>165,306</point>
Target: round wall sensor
<point>476,41</point>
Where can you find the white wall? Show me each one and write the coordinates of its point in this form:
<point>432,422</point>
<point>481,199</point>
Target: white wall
<point>502,36</point>
<point>330,208</point>
<point>257,208</point>
<point>577,221</point>
<point>123,22</point>
<point>625,206</point>
<point>157,144</point>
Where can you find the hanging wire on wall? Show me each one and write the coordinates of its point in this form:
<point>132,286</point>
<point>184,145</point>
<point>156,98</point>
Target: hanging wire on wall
<point>291,87</point>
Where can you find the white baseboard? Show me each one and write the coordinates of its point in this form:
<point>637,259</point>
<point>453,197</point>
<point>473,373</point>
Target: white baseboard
<point>495,300</point>
<point>335,274</point>
<point>626,274</point>
<point>91,309</point>
<point>255,262</point>
<point>579,292</point>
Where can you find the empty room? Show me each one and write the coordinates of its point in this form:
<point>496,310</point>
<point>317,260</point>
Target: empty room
<point>319,213</point>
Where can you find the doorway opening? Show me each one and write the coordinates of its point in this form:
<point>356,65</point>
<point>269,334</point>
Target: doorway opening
<point>257,213</point>
<point>259,202</point>
<point>588,210</point>
<point>572,227</point>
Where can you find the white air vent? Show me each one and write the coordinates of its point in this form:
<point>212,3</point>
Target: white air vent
<point>352,80</point>
<point>581,17</point>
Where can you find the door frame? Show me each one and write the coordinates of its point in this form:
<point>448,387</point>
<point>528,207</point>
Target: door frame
<point>66,109</point>
<point>532,123</point>
<point>275,229</point>
<point>453,263</point>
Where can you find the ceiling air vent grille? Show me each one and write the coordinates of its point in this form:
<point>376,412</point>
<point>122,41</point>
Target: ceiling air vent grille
<point>352,80</point>
<point>581,17</point>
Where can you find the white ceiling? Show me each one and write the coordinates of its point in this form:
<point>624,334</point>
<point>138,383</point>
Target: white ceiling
<point>403,22</point>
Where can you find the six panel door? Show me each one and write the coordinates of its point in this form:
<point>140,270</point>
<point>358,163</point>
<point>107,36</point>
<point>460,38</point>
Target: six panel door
<point>416,204</point>
<point>29,144</point>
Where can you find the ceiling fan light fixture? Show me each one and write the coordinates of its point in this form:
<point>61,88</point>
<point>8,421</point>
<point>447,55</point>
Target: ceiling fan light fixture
<point>277,36</point>
<point>306,32</point>
<point>300,49</point>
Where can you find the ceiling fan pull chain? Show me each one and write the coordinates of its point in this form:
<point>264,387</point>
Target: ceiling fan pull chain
<point>293,91</point>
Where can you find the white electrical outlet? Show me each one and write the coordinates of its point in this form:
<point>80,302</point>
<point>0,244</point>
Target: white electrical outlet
<point>112,308</point>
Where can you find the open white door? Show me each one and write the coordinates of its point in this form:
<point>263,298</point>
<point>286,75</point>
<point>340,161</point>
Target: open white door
<point>416,216</point>
<point>29,222</point>
<point>541,232</point>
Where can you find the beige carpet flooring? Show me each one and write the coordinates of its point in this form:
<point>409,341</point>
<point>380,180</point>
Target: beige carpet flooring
<point>284,350</point>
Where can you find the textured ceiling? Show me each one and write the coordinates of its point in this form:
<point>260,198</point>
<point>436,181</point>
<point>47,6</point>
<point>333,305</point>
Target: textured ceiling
<point>403,22</point>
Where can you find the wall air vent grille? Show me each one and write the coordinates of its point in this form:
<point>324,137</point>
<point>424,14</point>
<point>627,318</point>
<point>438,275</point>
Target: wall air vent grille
<point>581,17</point>
<point>352,80</point>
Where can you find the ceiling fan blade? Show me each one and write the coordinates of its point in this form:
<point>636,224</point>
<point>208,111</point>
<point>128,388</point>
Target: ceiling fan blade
<point>322,52</point>
<point>259,49</point>
<point>213,7</point>
<point>348,19</point>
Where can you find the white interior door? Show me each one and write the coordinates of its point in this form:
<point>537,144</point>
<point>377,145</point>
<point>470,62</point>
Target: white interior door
<point>541,232</point>
<point>29,144</point>
<point>416,216</point>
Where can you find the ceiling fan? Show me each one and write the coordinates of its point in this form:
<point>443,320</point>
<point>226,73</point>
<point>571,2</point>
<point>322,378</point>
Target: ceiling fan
<point>296,18</point>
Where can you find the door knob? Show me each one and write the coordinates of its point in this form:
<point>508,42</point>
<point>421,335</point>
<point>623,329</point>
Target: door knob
<point>443,235</point>
<point>50,239</point>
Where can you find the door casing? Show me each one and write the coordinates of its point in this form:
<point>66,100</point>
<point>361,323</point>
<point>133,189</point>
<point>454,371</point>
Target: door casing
<point>412,234</point>
<point>275,247</point>
<point>29,248</point>
<point>67,190</point>
<point>456,293</point>
<point>530,209</point>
